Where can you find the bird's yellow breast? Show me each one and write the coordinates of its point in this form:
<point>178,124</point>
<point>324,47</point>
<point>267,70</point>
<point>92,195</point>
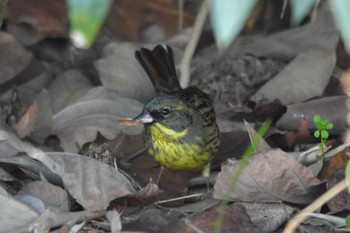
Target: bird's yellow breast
<point>171,150</point>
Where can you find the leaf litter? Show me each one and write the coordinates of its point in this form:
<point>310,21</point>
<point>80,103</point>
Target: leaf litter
<point>55,112</point>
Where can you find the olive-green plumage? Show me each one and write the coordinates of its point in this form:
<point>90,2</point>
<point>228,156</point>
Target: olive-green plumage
<point>180,130</point>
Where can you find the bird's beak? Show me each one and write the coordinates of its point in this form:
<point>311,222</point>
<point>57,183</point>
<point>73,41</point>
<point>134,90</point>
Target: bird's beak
<point>144,118</point>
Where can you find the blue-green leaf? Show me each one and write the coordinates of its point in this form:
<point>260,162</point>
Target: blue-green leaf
<point>300,8</point>
<point>86,18</point>
<point>228,18</point>
<point>341,9</point>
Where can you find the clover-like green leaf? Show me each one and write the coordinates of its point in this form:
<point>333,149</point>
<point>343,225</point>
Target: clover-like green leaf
<point>329,126</point>
<point>317,134</point>
<point>317,119</point>
<point>324,134</point>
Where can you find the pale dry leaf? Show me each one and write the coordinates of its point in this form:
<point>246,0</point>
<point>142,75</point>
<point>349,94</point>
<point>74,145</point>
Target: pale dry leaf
<point>37,121</point>
<point>269,176</point>
<point>53,196</point>
<point>97,111</point>
<point>268,216</point>
<point>119,66</point>
<point>304,78</point>
<point>92,183</point>
<point>10,217</point>
<point>67,88</point>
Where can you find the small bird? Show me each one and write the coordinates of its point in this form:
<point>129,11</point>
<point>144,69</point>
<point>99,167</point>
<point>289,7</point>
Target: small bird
<point>180,130</point>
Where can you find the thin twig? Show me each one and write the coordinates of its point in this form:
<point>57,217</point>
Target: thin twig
<point>294,222</point>
<point>185,63</point>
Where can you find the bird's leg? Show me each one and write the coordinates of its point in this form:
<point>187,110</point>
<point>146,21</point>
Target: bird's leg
<point>206,174</point>
<point>160,174</point>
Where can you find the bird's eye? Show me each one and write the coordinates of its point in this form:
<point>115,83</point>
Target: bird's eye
<point>165,111</point>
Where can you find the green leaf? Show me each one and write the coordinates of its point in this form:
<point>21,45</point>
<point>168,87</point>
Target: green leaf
<point>341,9</point>
<point>324,134</point>
<point>329,126</point>
<point>300,8</point>
<point>228,18</point>
<point>347,220</point>
<point>86,18</point>
<point>317,134</point>
<point>347,175</point>
<point>317,119</point>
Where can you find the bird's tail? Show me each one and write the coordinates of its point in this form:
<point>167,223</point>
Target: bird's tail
<point>160,68</point>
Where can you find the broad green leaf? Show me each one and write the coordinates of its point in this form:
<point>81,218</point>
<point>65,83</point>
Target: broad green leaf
<point>300,8</point>
<point>347,175</point>
<point>341,9</point>
<point>86,18</point>
<point>228,18</point>
<point>324,134</point>
<point>317,134</point>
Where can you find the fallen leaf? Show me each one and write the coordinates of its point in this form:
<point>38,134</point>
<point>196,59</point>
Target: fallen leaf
<point>291,86</point>
<point>13,57</point>
<point>34,20</point>
<point>92,183</point>
<point>52,196</point>
<point>26,124</point>
<point>341,201</point>
<point>119,65</point>
<point>235,220</point>
<point>94,112</point>
<point>268,216</point>
<point>336,163</point>
<point>269,176</point>
<point>15,214</point>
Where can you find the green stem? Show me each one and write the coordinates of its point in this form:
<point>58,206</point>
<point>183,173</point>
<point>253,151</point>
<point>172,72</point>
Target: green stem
<point>242,164</point>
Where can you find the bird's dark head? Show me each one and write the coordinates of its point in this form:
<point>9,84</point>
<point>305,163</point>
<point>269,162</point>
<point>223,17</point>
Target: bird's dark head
<point>169,111</point>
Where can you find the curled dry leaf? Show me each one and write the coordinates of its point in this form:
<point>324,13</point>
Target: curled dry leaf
<point>269,176</point>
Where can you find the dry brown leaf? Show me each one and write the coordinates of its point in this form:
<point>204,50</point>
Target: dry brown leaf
<point>269,176</point>
<point>342,200</point>
<point>33,20</point>
<point>236,220</point>
<point>13,57</point>
<point>334,164</point>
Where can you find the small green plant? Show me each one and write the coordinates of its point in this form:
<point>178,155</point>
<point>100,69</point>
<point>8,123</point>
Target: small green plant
<point>321,132</point>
